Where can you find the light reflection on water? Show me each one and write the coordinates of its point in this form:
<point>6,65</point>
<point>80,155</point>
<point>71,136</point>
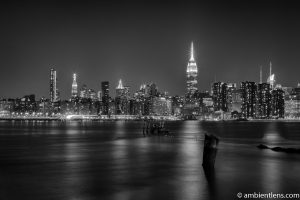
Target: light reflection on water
<point>190,173</point>
<point>74,161</point>
<point>115,161</point>
<point>272,134</point>
<point>271,176</point>
<point>120,128</point>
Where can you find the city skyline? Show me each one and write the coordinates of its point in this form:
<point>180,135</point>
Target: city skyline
<point>76,87</point>
<point>191,84</point>
<point>84,40</point>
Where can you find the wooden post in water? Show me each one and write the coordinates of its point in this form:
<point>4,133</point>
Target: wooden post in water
<point>210,151</point>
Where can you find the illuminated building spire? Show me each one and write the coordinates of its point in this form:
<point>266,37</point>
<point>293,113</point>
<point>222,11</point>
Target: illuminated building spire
<point>270,68</point>
<point>260,75</point>
<point>120,90</point>
<point>271,79</point>
<point>74,86</point>
<point>120,86</point>
<point>191,74</point>
<point>74,78</point>
<point>192,52</point>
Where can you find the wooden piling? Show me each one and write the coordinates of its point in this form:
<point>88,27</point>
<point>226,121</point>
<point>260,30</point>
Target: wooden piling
<point>210,151</point>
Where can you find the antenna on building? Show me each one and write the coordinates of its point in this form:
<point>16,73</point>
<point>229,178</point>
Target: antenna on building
<point>260,75</point>
<point>270,69</point>
<point>192,52</point>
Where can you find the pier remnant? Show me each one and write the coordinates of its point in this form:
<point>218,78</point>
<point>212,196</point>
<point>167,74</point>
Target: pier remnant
<point>279,149</point>
<point>262,146</point>
<point>155,128</point>
<point>210,151</point>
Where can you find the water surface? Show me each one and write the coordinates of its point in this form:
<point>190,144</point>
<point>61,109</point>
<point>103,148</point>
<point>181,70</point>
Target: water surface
<point>113,160</point>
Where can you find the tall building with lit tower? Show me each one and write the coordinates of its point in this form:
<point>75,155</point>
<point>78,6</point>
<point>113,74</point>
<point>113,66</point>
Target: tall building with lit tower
<point>122,99</point>
<point>271,78</point>
<point>53,86</point>
<point>74,87</point>
<point>120,89</point>
<point>191,74</point>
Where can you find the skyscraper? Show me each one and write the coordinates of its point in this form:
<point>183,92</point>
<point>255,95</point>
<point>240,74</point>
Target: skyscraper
<point>120,89</point>
<point>271,78</point>
<point>292,103</point>
<point>84,91</point>
<point>231,89</point>
<point>191,73</point>
<point>99,95</point>
<point>278,103</point>
<point>248,94</point>
<point>105,96</point>
<point>220,96</point>
<point>74,87</point>
<point>53,86</point>
<point>92,95</point>
<point>127,92</point>
<point>121,100</point>
<point>105,89</point>
<point>263,100</point>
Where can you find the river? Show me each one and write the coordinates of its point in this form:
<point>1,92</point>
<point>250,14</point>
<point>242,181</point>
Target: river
<point>114,160</point>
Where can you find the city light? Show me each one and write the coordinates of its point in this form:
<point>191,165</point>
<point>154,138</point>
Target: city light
<point>226,101</point>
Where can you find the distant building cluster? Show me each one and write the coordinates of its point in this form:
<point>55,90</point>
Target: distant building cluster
<point>249,100</point>
<point>84,101</point>
<point>263,100</point>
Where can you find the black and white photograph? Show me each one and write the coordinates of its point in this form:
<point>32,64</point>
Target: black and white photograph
<point>149,100</point>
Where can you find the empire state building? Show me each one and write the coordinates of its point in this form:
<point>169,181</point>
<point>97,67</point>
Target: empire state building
<point>191,74</point>
<point>74,87</point>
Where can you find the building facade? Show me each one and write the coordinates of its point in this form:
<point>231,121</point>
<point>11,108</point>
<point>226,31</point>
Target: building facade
<point>248,95</point>
<point>54,96</point>
<point>277,103</point>
<point>122,99</point>
<point>264,101</point>
<point>105,97</point>
<point>219,95</point>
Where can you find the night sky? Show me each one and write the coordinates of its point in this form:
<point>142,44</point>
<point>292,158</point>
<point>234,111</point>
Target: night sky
<point>143,42</point>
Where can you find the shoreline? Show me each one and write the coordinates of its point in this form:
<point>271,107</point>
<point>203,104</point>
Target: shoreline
<point>138,119</point>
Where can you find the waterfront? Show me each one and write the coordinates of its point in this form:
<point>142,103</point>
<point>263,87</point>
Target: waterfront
<point>113,160</point>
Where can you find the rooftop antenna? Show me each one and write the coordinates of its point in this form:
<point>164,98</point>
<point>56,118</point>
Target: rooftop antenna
<point>270,68</point>
<point>260,75</point>
<point>192,52</point>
